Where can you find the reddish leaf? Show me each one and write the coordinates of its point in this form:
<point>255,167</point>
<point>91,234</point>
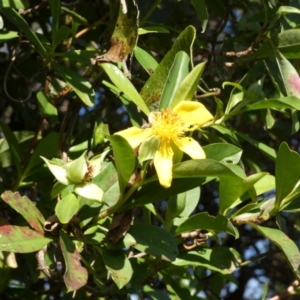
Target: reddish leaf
<point>21,239</point>
<point>26,208</point>
<point>75,276</point>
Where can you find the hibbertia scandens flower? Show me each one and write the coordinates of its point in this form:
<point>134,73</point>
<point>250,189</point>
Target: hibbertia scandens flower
<point>164,140</point>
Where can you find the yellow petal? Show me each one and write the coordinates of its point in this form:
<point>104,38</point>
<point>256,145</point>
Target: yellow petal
<point>163,162</point>
<point>134,135</point>
<point>191,147</point>
<point>193,112</point>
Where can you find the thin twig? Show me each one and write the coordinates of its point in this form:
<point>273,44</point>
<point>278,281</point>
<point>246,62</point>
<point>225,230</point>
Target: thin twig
<point>23,12</point>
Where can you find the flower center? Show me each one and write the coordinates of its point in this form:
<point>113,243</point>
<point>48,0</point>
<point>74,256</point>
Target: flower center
<point>166,125</point>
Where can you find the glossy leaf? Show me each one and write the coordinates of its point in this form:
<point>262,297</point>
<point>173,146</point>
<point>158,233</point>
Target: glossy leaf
<point>218,259</point>
<point>152,89</point>
<point>177,73</point>
<point>289,76</point>
<point>287,172</point>
<point>45,105</point>
<point>66,208</point>
<point>26,208</point>
<point>285,102</point>
<point>153,191</point>
<point>77,169</point>
<point>188,86</point>
<point>157,241</point>
<point>6,36</point>
<point>146,60</point>
<point>17,4</point>
<point>58,171</point>
<point>205,221</point>
<point>191,201</point>
<point>89,191</point>
<point>134,114</point>
<point>79,84</point>
<point>21,239</point>
<point>122,82</point>
<point>284,243</point>
<point>124,159</point>
<point>75,276</point>
<point>119,266</point>
<point>202,13</point>
<point>20,23</point>
<point>223,152</point>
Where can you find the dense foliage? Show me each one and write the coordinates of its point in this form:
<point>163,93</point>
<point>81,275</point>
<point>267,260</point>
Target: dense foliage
<point>149,149</point>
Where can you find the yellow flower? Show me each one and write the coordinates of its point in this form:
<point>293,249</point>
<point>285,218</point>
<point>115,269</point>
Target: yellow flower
<point>165,141</point>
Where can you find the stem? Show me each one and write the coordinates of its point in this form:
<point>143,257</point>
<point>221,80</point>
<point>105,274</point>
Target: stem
<point>150,11</point>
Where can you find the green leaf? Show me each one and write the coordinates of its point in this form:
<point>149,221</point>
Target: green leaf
<point>205,221</point>
<point>152,29</point>
<point>175,207</point>
<point>122,82</point>
<point>178,72</point>
<point>174,288</point>
<point>287,172</point>
<point>66,208</point>
<point>55,19</point>
<point>14,146</point>
<point>270,152</point>
<point>124,159</point>
<point>135,116</point>
<point>188,86</point>
<point>153,88</point>
<point>75,276</point>
<point>289,76</point>
<point>153,191</point>
<point>79,84</point>
<point>218,259</point>
<point>89,191</point>
<point>284,243</point>
<point>291,201</point>
<point>287,42</point>
<point>236,96</point>
<point>8,36</point>
<point>77,169</point>
<point>58,171</point>
<point>26,208</point>
<point>284,102</point>
<point>232,189</point>
<point>191,201</point>
<point>45,105</point>
<point>119,266</point>
<point>21,24</point>
<point>157,241</point>
<point>146,60</point>
<point>202,13</point>
<point>47,147</point>
<point>223,152</point>
<point>79,56</point>
<point>17,4</point>
<point>78,18</point>
<point>21,239</point>
<point>233,182</point>
<point>108,180</point>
